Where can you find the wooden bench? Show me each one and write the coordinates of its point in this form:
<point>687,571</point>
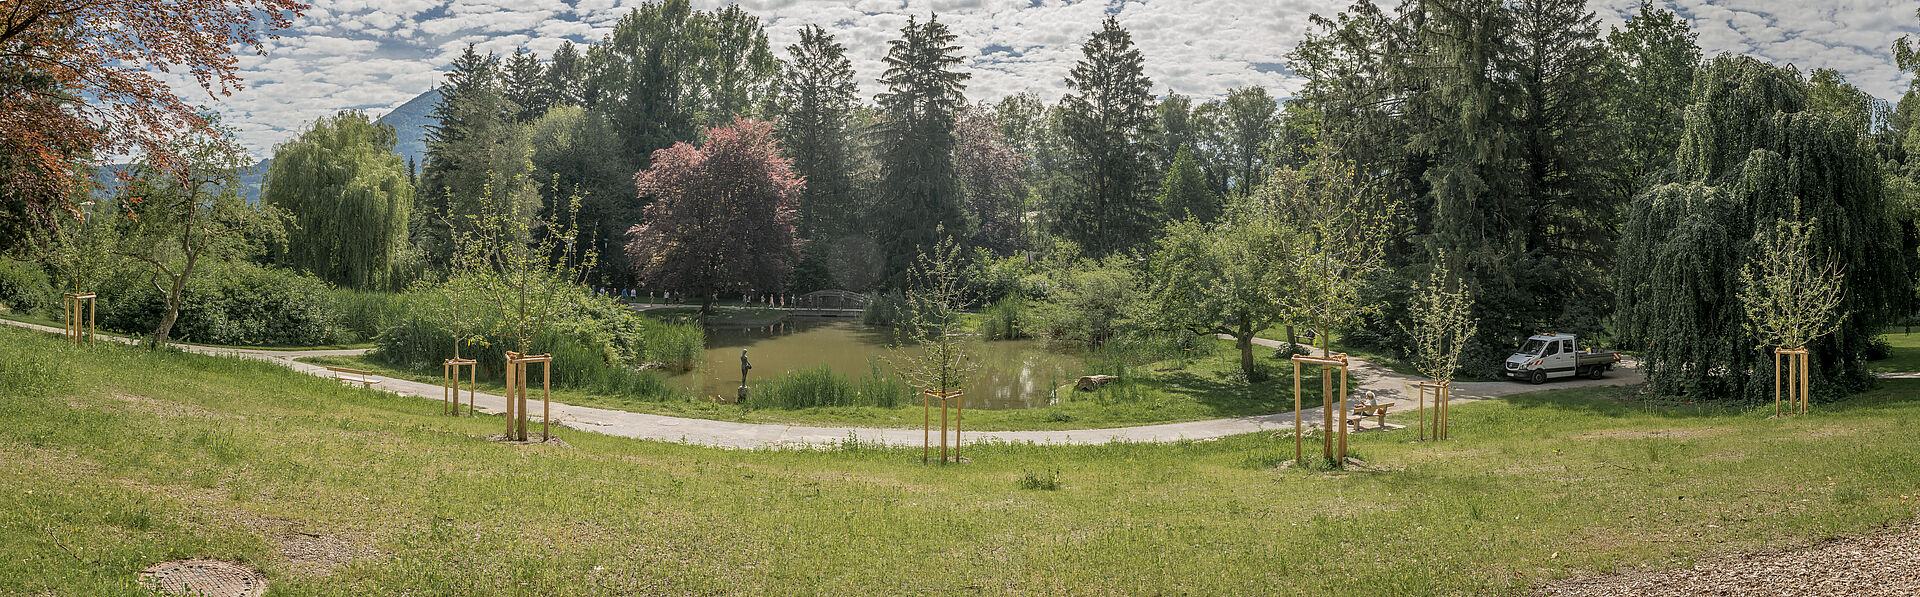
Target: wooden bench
<point>357,376</point>
<point>1356,414</point>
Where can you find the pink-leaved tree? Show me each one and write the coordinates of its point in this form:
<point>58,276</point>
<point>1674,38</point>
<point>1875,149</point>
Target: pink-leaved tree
<point>722,215</point>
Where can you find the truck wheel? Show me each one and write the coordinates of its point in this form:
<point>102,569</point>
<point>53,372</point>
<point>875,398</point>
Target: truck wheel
<point>1596,372</point>
<point>1538,377</point>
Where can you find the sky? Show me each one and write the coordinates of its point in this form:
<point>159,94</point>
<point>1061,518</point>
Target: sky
<point>374,55</point>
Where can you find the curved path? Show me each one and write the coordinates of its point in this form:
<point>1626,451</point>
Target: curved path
<point>727,434</point>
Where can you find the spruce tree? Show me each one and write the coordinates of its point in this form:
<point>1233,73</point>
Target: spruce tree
<point>565,77</point>
<point>817,102</point>
<point>1249,126</point>
<point>920,191</point>
<point>470,121</point>
<point>1107,117</point>
<point>523,83</point>
<point>1752,153</point>
<point>1184,194</point>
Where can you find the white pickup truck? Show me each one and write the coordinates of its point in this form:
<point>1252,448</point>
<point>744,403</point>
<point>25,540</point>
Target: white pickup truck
<point>1548,356</point>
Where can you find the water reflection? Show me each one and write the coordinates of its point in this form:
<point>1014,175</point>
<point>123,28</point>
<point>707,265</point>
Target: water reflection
<point>1011,374</point>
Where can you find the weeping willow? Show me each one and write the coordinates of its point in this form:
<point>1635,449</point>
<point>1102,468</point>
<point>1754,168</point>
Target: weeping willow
<point>1752,152</point>
<point>349,196</point>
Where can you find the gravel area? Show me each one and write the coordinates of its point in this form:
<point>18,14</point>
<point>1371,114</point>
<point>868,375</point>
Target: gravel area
<point>1886,563</point>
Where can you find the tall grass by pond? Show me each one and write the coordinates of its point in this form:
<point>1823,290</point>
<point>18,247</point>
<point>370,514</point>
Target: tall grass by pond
<point>821,387</point>
<point>1005,319</point>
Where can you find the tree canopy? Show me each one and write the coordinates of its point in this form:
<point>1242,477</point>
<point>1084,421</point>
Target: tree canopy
<point>348,195</point>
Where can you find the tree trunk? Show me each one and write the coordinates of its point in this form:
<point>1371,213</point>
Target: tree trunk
<point>706,305</point>
<point>1245,339</point>
<point>1293,338</point>
<point>165,329</point>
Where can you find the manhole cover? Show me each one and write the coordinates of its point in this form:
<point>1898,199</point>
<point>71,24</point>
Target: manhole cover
<point>204,578</point>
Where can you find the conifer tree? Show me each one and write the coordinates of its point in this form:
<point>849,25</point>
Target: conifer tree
<point>1107,116</point>
<point>920,191</point>
<point>1184,194</point>
<point>469,121</point>
<point>817,103</point>
<point>565,77</point>
<point>523,83</point>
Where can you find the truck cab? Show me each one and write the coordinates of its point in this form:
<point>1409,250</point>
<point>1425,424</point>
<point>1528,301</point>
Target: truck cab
<point>1550,356</point>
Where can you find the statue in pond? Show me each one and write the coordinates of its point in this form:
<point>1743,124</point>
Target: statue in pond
<point>744,368</point>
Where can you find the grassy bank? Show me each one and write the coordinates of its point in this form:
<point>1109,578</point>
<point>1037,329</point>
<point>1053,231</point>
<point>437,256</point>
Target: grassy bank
<point>1905,355</point>
<point>730,316</point>
<point>116,458</point>
<point>1208,387</point>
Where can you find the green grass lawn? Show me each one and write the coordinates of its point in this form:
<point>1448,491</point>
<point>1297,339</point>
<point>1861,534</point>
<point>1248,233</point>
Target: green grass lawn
<point>1906,352</point>
<point>115,458</point>
<point>1209,387</point>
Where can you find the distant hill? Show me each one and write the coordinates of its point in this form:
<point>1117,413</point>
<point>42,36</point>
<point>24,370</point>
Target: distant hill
<point>410,122</point>
<point>107,179</point>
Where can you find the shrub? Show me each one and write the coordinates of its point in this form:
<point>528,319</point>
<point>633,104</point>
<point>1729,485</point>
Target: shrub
<point>1005,319</point>
<point>1086,304</point>
<point>364,315</point>
<point>238,304</point>
<point>24,288</point>
<point>886,309</point>
<point>597,345</point>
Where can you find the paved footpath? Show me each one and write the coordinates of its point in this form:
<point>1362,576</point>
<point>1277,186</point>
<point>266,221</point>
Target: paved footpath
<point>727,434</point>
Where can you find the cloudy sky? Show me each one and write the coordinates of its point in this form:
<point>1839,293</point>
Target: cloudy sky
<point>376,54</point>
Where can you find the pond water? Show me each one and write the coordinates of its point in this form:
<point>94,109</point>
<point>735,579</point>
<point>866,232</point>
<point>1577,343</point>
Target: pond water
<point>1012,374</point>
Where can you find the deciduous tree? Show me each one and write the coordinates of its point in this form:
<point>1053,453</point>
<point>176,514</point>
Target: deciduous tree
<point>722,215</point>
<point>348,196</point>
<point>76,81</point>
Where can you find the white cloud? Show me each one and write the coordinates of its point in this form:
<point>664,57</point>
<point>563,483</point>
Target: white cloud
<point>377,54</point>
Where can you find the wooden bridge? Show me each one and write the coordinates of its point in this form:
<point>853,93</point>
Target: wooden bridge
<point>826,303</point>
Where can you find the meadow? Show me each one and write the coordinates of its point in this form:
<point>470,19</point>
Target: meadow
<point>116,457</point>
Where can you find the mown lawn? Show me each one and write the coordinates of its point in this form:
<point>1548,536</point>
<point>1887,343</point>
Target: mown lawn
<point>113,458</point>
<point>1205,387</point>
<point>1905,355</point>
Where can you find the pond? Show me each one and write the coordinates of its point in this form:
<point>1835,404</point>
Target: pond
<point>1012,374</point>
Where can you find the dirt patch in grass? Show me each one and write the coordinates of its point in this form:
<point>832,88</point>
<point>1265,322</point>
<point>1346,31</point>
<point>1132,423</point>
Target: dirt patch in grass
<point>1885,563</point>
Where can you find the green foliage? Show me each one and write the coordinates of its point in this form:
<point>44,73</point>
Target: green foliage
<point>24,288</point>
<point>1790,294</point>
<point>1086,301</point>
<point>1230,278</point>
<point>364,315</point>
<point>919,188</point>
<point>1184,194</point>
<point>349,197</point>
<point>235,303</point>
<point>1005,319</point>
<point>1105,116</point>
<point>1752,153</point>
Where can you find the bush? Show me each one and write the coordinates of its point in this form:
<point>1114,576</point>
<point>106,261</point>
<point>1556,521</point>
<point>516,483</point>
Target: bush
<point>364,315</point>
<point>597,345</point>
<point>1005,319</point>
<point>1086,304</point>
<point>24,288</point>
<point>237,304</point>
<point>887,309</point>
